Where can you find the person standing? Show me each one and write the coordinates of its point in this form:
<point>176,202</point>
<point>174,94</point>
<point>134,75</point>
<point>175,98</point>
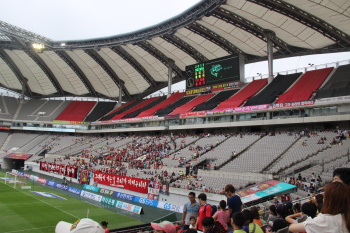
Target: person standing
<point>191,209</point>
<point>222,216</point>
<point>233,200</point>
<point>205,210</point>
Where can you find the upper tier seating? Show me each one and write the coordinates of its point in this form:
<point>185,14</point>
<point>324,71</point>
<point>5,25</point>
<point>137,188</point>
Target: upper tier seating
<point>27,110</point>
<point>76,111</point>
<point>279,85</point>
<point>9,106</point>
<point>145,108</point>
<point>139,105</point>
<point>173,98</point>
<point>213,102</point>
<point>244,94</point>
<point>51,109</point>
<point>190,105</point>
<point>305,86</point>
<point>337,85</point>
<point>101,109</point>
<point>119,110</point>
<point>174,105</point>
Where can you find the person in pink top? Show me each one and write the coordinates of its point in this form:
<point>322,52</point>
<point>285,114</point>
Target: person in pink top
<point>222,215</point>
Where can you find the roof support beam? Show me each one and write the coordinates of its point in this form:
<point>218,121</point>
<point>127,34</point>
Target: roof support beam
<point>134,63</point>
<point>16,71</point>
<point>160,56</point>
<point>303,17</point>
<point>185,47</point>
<point>106,67</point>
<point>252,28</point>
<point>65,57</point>
<point>217,39</point>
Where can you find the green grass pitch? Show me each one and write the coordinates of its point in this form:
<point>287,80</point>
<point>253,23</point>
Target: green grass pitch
<point>22,211</point>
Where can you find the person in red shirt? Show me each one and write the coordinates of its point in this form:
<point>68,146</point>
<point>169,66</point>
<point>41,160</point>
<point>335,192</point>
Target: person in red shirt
<point>104,226</point>
<point>205,210</point>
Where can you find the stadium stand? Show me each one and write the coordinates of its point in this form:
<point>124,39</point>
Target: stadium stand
<point>305,86</point>
<point>145,108</point>
<point>50,110</point>
<point>134,108</point>
<point>244,94</point>
<point>100,109</point>
<point>26,110</point>
<point>120,109</point>
<point>337,85</point>
<point>9,106</point>
<point>168,109</point>
<point>76,111</point>
<point>261,153</point>
<point>279,85</point>
<point>190,105</point>
<point>171,99</point>
<point>214,101</point>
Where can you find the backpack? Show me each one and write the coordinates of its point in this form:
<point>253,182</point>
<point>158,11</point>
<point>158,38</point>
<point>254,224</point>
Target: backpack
<point>214,209</point>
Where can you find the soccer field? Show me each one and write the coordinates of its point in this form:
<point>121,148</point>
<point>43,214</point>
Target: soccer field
<point>24,211</point>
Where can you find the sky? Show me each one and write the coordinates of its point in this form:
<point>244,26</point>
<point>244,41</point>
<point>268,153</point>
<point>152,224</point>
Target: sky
<point>86,19</point>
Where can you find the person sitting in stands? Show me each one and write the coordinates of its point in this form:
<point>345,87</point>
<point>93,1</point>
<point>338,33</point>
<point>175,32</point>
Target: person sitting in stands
<point>335,213</point>
<point>249,225</point>
<point>163,227</point>
<point>342,175</point>
<point>210,226</point>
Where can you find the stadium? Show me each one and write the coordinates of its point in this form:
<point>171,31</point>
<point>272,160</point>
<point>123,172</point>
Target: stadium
<point>87,130</point>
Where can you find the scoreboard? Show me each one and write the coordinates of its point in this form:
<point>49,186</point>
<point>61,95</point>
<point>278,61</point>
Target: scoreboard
<point>221,70</point>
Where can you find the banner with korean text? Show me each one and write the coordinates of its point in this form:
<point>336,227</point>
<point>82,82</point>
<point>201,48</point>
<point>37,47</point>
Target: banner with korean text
<point>124,182</point>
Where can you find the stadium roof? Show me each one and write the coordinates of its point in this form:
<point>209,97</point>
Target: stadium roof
<point>138,62</point>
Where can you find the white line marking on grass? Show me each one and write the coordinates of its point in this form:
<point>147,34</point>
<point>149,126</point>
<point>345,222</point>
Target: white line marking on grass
<point>45,203</point>
<point>28,229</point>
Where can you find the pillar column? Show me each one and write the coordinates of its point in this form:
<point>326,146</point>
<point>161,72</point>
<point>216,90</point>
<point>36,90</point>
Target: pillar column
<point>170,74</point>
<point>269,35</point>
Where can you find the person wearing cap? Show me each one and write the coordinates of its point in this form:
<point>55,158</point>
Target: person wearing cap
<point>163,227</point>
<point>342,175</point>
<point>84,225</point>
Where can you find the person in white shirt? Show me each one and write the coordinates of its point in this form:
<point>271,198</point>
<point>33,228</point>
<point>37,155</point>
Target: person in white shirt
<point>335,213</point>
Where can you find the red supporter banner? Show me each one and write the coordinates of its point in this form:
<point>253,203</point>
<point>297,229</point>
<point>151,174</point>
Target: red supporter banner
<point>252,108</point>
<point>189,114</point>
<point>293,104</point>
<point>5,128</point>
<point>61,169</point>
<point>124,182</point>
<point>18,156</point>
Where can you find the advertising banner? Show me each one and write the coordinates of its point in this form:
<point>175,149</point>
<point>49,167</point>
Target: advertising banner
<point>189,114</point>
<point>252,108</point>
<point>124,182</point>
<point>263,189</point>
<point>129,207</point>
<point>108,201</point>
<point>74,190</point>
<point>91,196</point>
<point>293,104</point>
<point>18,156</point>
<point>106,192</point>
<point>125,196</point>
<point>91,188</point>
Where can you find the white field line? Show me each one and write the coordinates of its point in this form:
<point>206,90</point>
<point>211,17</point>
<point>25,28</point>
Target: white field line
<point>46,203</point>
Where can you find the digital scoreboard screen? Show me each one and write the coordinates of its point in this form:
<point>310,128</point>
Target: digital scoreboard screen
<point>226,69</point>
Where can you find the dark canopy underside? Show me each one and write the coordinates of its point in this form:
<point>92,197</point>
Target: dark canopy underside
<point>137,63</point>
